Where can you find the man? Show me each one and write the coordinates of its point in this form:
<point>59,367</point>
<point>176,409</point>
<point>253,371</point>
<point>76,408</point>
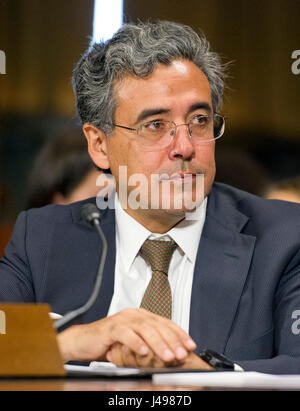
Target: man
<point>229,280</point>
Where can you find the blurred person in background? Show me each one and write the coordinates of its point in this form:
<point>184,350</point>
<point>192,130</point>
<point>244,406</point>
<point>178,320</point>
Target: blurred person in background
<point>286,189</point>
<point>63,172</point>
<point>239,169</point>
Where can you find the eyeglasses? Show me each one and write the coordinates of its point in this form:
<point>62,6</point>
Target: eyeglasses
<point>160,133</point>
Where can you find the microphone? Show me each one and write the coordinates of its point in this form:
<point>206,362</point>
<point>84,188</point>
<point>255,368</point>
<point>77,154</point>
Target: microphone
<point>91,214</point>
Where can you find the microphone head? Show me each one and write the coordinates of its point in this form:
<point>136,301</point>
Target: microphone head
<point>90,213</point>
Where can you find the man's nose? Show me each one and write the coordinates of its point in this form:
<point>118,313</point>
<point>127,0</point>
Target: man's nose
<point>182,146</point>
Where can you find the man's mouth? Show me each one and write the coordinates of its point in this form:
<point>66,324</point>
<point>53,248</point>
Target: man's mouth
<point>181,176</point>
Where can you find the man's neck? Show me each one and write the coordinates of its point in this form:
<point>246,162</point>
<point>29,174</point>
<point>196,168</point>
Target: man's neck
<point>156,221</point>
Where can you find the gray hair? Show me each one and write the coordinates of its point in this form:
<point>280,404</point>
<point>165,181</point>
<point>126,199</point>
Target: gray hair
<point>135,50</point>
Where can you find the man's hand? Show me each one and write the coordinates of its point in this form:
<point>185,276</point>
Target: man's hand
<point>122,356</point>
<point>140,330</point>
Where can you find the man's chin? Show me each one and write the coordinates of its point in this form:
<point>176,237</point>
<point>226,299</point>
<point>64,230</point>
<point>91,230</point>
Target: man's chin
<point>182,211</point>
<point>179,211</point>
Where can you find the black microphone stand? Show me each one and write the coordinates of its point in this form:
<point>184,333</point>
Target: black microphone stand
<point>92,215</point>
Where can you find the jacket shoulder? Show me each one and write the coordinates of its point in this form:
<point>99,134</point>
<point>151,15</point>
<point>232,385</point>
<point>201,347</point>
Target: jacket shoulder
<point>54,213</point>
<point>258,209</point>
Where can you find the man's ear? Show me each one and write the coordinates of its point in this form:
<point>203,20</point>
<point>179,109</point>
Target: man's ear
<point>97,145</point>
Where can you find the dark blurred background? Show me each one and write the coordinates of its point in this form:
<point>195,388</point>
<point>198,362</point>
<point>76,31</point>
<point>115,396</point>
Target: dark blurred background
<point>43,39</point>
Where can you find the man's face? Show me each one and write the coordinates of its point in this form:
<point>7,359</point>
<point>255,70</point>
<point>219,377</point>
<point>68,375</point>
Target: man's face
<point>177,93</point>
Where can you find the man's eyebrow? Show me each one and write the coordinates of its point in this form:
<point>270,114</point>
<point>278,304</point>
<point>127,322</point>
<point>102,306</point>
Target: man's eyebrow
<point>151,112</point>
<point>200,106</point>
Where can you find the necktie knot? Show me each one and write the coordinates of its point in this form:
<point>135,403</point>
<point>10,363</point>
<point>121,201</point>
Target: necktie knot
<point>158,254</point>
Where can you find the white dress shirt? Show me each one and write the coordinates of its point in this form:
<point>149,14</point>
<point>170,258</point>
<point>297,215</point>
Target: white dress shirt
<point>133,273</point>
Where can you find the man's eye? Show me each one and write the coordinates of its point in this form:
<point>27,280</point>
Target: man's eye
<point>154,125</point>
<point>200,120</point>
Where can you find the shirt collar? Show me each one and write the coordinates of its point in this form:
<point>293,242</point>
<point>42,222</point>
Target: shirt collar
<point>188,232</point>
<point>131,235</point>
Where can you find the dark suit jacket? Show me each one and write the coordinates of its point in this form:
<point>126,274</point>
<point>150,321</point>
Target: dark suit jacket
<point>246,281</point>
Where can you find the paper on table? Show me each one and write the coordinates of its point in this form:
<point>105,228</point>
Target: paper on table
<point>107,365</point>
<point>110,370</point>
<point>55,316</point>
<point>100,369</point>
<point>229,380</point>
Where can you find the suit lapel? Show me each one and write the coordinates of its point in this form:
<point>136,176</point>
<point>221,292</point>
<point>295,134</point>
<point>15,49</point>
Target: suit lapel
<point>221,269</point>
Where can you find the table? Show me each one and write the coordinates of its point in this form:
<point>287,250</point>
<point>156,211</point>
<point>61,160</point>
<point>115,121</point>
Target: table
<point>98,384</point>
<point>84,384</point>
